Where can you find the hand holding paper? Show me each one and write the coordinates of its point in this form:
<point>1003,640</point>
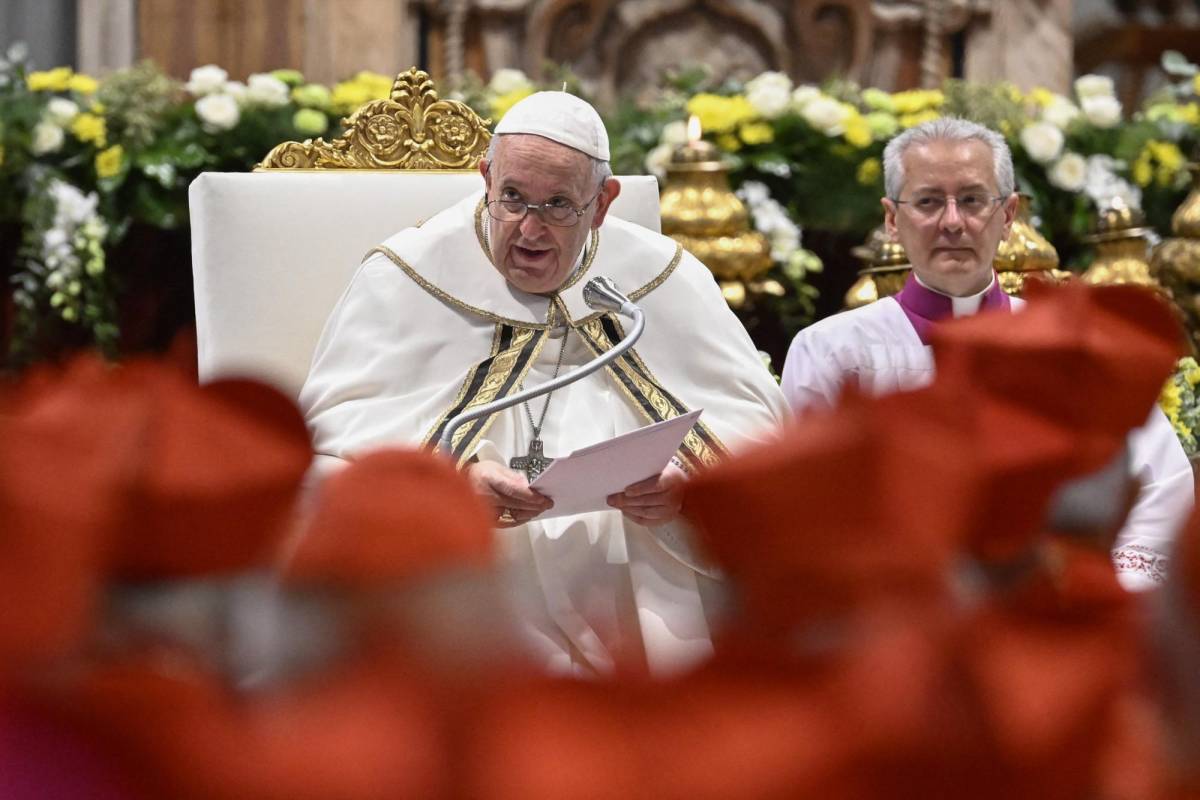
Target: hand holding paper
<point>584,480</point>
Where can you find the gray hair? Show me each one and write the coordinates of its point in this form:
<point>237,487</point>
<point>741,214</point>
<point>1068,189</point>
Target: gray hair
<point>601,170</point>
<point>947,129</point>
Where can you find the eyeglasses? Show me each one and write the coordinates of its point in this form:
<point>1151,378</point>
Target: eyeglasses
<point>973,205</point>
<point>555,212</point>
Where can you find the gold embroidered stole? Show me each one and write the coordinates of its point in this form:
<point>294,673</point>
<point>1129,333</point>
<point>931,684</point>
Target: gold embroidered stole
<point>701,447</point>
<point>514,349</point>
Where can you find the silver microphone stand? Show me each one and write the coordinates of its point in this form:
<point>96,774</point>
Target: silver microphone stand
<point>600,294</point>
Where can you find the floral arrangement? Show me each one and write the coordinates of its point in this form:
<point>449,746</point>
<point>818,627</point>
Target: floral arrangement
<point>81,160</point>
<point>1180,401</point>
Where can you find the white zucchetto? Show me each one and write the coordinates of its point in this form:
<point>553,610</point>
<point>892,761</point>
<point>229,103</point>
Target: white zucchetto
<point>560,117</point>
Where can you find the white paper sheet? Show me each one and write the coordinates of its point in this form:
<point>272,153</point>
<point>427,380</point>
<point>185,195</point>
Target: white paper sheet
<point>583,480</point>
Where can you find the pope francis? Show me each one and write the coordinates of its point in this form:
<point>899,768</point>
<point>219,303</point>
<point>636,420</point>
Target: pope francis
<point>484,299</point>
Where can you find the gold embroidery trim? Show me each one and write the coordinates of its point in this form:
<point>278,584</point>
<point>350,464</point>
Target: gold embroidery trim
<point>651,394</point>
<point>449,299</point>
<point>500,370</point>
<point>635,295</point>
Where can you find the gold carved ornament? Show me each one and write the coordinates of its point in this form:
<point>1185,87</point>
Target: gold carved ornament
<point>412,130</point>
<point>1176,262</point>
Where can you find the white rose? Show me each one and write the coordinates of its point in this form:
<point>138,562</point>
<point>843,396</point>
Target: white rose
<point>47,138</point>
<point>1060,112</point>
<point>1103,184</point>
<point>657,159</point>
<point>206,80</point>
<point>803,95</point>
<point>236,90</point>
<point>61,111</point>
<point>267,90</point>
<point>1069,172</point>
<point>1102,111</point>
<point>1042,141</point>
<point>1094,86</point>
<point>218,111</point>
<point>508,80</point>
<point>674,133</point>
<point>770,94</point>
<point>826,115</point>
<point>754,194</point>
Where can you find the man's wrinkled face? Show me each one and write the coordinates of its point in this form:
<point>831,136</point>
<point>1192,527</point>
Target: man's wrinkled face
<point>951,247</point>
<point>532,254</point>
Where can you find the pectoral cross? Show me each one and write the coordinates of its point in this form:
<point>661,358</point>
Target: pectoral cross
<point>533,463</point>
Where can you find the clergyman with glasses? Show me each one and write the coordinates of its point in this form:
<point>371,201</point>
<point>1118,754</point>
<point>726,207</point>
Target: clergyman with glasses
<point>486,298</point>
<point>950,202</point>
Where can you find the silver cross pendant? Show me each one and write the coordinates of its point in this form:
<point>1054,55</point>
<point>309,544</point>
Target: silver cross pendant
<point>533,463</point>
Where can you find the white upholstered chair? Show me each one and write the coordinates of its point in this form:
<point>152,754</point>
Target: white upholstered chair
<point>273,250</point>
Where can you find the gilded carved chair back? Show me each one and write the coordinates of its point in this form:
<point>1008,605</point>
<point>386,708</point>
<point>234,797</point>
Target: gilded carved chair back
<point>411,130</point>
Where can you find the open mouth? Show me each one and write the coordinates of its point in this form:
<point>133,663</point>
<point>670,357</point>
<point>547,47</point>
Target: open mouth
<point>531,254</point>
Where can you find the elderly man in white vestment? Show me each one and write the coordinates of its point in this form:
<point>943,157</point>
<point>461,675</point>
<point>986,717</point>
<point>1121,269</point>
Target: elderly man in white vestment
<point>485,298</point>
<point>950,202</point>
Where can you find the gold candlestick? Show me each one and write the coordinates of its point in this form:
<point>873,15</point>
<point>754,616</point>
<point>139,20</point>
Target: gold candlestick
<point>1025,252</point>
<point>701,212</point>
<point>885,269</point>
<point>1122,249</point>
<point>1176,262</point>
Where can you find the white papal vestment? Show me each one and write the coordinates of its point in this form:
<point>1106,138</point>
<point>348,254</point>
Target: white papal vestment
<point>428,327</point>
<point>877,349</point>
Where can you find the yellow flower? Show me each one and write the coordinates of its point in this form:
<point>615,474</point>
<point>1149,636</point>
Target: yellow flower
<point>917,100</point>
<point>55,80</point>
<point>1159,162</point>
<point>1014,93</point>
<point>868,171</point>
<point>83,84</point>
<point>1170,401</point>
<point>1196,84</point>
<point>1142,171</point>
<point>857,130</point>
<point>757,133</point>
<point>729,143</point>
<point>1041,96</point>
<point>720,114</point>
<point>1190,113</point>
<point>503,102</point>
<point>1192,376</point>
<point>89,128</point>
<point>359,90</point>
<point>919,118</point>
<point>108,162</point>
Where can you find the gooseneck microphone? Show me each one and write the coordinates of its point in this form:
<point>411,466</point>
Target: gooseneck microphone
<point>600,294</point>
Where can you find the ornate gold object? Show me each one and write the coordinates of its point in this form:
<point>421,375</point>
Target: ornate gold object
<point>1122,249</point>
<point>411,130</point>
<point>1024,253</point>
<point>701,212</point>
<point>884,272</point>
<point>1176,262</point>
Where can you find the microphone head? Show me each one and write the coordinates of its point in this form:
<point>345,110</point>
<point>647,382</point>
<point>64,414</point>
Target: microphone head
<point>602,294</point>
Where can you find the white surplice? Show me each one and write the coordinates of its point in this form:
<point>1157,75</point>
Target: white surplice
<point>876,349</point>
<point>396,355</point>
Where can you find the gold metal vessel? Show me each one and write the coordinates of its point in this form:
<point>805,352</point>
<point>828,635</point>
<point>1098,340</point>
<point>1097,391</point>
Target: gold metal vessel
<point>1176,262</point>
<point>702,213</point>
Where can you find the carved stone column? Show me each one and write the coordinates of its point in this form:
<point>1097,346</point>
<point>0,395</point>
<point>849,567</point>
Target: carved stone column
<point>1027,42</point>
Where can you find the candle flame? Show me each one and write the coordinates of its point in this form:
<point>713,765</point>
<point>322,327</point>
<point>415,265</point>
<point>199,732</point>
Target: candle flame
<point>693,128</point>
